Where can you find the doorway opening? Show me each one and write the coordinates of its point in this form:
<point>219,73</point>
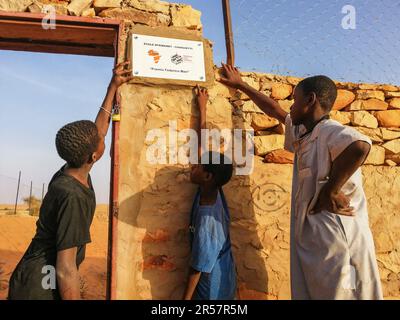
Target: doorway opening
<point>60,76</point>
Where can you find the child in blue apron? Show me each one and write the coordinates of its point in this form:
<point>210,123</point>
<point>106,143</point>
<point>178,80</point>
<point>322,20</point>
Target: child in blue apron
<point>212,274</point>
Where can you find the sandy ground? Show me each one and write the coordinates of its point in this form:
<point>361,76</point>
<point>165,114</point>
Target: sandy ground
<point>16,232</point>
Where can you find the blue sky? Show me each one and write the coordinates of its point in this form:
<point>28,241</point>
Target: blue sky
<point>42,92</point>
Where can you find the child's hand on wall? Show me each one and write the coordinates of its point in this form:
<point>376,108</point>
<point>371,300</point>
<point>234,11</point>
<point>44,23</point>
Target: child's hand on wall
<point>121,75</point>
<point>202,98</point>
<point>231,77</point>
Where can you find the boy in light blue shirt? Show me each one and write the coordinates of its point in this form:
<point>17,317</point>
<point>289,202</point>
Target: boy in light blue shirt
<point>212,274</point>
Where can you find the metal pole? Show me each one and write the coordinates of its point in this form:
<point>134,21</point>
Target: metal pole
<point>42,192</point>
<point>230,50</point>
<point>30,199</point>
<point>16,198</point>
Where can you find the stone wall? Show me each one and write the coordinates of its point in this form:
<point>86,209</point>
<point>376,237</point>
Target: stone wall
<point>155,200</point>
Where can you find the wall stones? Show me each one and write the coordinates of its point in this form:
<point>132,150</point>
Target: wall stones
<point>137,16</point>
<point>76,7</point>
<point>364,119</point>
<point>376,156</point>
<point>15,5</point>
<point>151,6</point>
<point>342,117</point>
<point>60,6</point>
<point>265,144</point>
<point>392,147</point>
<point>262,121</point>
<point>394,103</point>
<point>344,98</point>
<point>389,118</point>
<point>106,4</point>
<point>370,94</point>
<point>281,91</point>
<point>370,104</point>
<point>279,156</point>
<point>185,16</point>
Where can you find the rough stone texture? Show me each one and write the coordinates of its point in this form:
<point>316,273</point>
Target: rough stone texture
<point>364,119</point>
<point>342,117</point>
<point>394,157</point>
<point>389,118</point>
<point>382,189</point>
<point>392,147</point>
<point>388,87</point>
<point>388,134</point>
<point>279,156</point>
<point>76,7</point>
<point>265,144</point>
<point>250,106</point>
<point>370,104</point>
<point>374,134</point>
<point>286,104</point>
<point>376,156</point>
<point>90,12</point>
<point>15,5</point>
<point>281,91</point>
<point>262,121</point>
<point>370,94</point>
<point>105,4</point>
<point>137,16</point>
<point>38,6</point>
<point>394,103</point>
<point>391,163</point>
<point>344,98</point>
<point>392,94</point>
<point>186,16</point>
<point>150,5</point>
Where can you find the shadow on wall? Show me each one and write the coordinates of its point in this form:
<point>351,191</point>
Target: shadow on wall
<point>252,275</point>
<point>160,214</point>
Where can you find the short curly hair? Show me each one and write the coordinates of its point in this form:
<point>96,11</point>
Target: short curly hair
<point>77,141</point>
<point>324,88</point>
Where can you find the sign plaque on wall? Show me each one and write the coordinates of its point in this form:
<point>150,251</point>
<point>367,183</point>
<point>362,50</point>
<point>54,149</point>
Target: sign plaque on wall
<point>168,58</point>
<point>162,56</point>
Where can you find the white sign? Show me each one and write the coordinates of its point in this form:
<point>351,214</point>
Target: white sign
<point>167,58</point>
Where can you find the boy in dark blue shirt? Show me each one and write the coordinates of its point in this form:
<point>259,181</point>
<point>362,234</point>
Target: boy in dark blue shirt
<point>212,274</point>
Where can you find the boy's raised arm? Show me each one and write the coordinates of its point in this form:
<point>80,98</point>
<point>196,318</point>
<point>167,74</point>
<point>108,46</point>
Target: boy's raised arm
<point>202,100</point>
<point>233,79</point>
<point>120,76</point>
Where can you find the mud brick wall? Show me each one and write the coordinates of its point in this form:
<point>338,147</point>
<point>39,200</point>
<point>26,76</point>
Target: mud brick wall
<point>155,200</point>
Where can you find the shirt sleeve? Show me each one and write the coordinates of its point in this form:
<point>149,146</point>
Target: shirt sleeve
<point>289,134</point>
<point>340,139</point>
<point>73,227</point>
<point>207,242</point>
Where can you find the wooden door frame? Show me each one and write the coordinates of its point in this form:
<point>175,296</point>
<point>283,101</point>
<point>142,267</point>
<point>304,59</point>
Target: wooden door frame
<point>82,36</point>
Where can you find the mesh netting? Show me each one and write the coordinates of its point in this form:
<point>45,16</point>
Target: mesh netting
<point>302,38</point>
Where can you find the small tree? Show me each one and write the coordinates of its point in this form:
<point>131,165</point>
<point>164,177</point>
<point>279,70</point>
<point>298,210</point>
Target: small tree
<point>35,205</point>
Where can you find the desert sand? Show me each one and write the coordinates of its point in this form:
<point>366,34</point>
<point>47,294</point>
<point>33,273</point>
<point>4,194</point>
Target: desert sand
<point>16,232</point>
